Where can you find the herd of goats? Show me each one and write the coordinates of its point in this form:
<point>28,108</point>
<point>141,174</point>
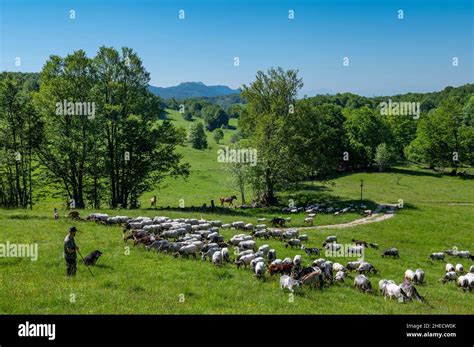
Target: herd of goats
<point>192,237</point>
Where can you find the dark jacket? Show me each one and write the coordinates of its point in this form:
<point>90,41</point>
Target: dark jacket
<point>69,245</point>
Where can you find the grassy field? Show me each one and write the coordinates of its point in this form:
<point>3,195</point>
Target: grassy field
<point>206,173</point>
<point>437,214</point>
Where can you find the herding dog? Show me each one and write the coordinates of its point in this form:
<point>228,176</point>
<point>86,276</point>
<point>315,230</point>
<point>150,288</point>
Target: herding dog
<point>92,258</point>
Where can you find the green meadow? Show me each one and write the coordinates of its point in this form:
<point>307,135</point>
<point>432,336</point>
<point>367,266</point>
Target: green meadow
<point>437,214</point>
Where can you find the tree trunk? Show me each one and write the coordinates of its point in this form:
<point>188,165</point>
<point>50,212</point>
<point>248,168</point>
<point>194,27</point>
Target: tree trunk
<point>268,197</point>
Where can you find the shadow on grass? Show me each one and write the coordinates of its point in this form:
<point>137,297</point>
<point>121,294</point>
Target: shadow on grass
<point>165,116</point>
<point>103,266</point>
<point>408,206</point>
<point>250,212</point>
<point>394,170</point>
<point>308,186</point>
<point>26,217</point>
<point>411,172</point>
<point>299,199</point>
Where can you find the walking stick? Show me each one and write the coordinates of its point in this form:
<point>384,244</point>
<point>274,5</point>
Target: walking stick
<point>85,263</point>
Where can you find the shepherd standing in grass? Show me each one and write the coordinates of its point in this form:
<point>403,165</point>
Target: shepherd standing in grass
<point>70,252</point>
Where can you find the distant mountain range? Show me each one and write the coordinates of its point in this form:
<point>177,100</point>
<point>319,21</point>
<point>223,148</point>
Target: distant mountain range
<point>187,90</point>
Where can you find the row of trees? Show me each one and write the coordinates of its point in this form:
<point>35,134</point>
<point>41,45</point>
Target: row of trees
<point>311,138</point>
<point>112,154</point>
<point>19,136</point>
<point>445,136</point>
<point>115,148</point>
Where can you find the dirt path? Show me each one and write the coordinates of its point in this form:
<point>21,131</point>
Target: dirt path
<point>376,217</point>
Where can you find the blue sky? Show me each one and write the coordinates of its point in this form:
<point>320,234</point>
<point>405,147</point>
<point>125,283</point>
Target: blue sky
<point>386,55</point>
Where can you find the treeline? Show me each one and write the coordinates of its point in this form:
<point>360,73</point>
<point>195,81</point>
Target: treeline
<point>91,125</point>
<point>19,128</point>
<point>311,138</point>
<point>427,101</point>
<point>214,115</point>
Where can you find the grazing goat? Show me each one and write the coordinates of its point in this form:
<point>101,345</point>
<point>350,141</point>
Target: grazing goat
<point>360,243</point>
<point>339,276</point>
<point>290,234</point>
<point>297,262</point>
<point>463,283</point>
<point>186,251</point>
<point>437,256</point>
<point>283,268</point>
<point>451,252</point>
<point>303,237</point>
<point>338,267</point>
<point>208,246</point>
<point>297,275</point>
<point>310,251</point>
<point>241,254</point>
<point>245,260</point>
<point>217,258</point>
<point>261,233</point>
<point>225,254</point>
<point>410,275</point>
<point>135,233</point>
<point>210,253</point>
<point>383,283</point>
<point>465,254</point>
<point>466,282</point>
<point>255,261</point>
<point>459,268</point>
<point>288,283</point>
<point>264,249</point>
<point>319,262</point>
<point>158,245</point>
<point>313,278</point>
<point>391,252</point>
<point>238,225</point>
<point>391,290</point>
<point>419,276</point>
<point>271,255</point>
<point>260,269</point>
<point>362,283</point>
<point>276,234</point>
<point>449,267</point>
<point>449,276</point>
<point>249,244</point>
<point>326,267</point>
<point>145,240</point>
<point>278,221</point>
<point>365,267</point>
<point>410,291</point>
<point>353,265</point>
<point>293,243</point>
